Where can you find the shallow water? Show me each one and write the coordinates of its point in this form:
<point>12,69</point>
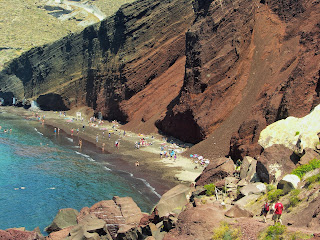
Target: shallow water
<point>41,172</point>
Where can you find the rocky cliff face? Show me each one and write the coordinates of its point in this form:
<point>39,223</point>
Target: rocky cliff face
<point>203,71</point>
<point>105,65</point>
<point>248,65</point>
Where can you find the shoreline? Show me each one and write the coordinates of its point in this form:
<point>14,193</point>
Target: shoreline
<point>160,173</point>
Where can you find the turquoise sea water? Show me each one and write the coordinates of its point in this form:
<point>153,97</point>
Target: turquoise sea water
<point>41,173</point>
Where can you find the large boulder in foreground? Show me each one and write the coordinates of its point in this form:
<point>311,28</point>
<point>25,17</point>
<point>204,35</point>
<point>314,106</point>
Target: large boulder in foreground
<point>116,213</point>
<point>275,162</point>
<point>197,223</point>
<point>174,200</point>
<point>217,170</point>
<point>65,218</point>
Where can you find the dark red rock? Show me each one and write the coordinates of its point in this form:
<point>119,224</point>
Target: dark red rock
<point>217,170</point>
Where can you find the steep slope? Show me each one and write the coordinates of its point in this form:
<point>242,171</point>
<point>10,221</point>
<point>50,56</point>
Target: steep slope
<point>248,65</point>
<point>109,62</point>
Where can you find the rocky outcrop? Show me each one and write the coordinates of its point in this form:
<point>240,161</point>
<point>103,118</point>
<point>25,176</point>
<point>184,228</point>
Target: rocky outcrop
<point>65,218</point>
<point>236,212</point>
<point>174,200</point>
<point>217,170</point>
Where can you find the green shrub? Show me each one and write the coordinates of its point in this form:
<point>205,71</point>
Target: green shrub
<point>270,187</point>
<point>274,195</point>
<point>273,232</point>
<point>225,232</point>
<point>313,179</point>
<point>297,133</point>
<point>302,170</point>
<point>210,189</point>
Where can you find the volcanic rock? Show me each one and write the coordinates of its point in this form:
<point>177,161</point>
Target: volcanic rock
<point>173,200</point>
<point>65,218</point>
<point>275,162</point>
<point>288,183</point>
<point>216,170</point>
<point>15,234</point>
<point>248,169</point>
<point>235,212</point>
<point>197,223</point>
<point>253,188</point>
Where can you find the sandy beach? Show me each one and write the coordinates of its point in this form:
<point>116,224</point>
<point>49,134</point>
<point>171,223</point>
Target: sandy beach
<point>162,173</point>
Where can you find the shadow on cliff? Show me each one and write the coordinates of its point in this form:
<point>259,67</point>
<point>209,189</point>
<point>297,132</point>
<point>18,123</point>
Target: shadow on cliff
<point>51,101</point>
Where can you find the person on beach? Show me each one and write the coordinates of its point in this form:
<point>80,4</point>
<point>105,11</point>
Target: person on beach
<point>97,138</point>
<point>80,143</point>
<point>175,157</point>
<point>58,131</point>
<point>109,135</point>
<point>278,208</point>
<point>103,144</point>
<point>55,131</point>
<point>116,143</point>
<point>137,164</point>
<point>72,131</point>
<point>265,210</point>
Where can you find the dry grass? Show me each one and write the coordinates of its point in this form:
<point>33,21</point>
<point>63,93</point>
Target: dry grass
<point>26,24</point>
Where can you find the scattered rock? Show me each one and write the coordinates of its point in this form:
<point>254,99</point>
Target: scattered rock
<point>309,155</point>
<point>236,211</point>
<point>253,188</point>
<point>242,202</point>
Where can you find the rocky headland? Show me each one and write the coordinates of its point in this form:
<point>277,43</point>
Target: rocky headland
<point>230,77</point>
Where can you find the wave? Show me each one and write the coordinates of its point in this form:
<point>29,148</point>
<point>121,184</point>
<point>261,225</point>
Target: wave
<point>69,139</point>
<point>108,169</point>
<point>150,187</point>
<point>38,131</point>
<point>145,182</point>
<point>86,156</point>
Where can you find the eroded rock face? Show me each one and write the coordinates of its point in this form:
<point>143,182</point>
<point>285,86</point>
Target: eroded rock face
<point>17,234</point>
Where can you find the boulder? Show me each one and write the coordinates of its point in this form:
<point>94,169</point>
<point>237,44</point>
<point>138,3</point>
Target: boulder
<point>242,202</point>
<point>253,188</point>
<point>275,162</point>
<point>62,234</point>
<point>309,155</point>
<point>288,183</point>
<point>197,223</point>
<point>65,218</point>
<point>114,213</point>
<point>16,234</point>
<point>173,200</point>
<point>311,173</point>
<point>216,170</point>
<point>236,211</point>
<point>248,169</point>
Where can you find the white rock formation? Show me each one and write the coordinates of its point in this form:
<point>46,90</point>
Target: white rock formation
<point>294,133</point>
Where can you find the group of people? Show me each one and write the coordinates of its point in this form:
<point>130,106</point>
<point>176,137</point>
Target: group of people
<point>278,208</point>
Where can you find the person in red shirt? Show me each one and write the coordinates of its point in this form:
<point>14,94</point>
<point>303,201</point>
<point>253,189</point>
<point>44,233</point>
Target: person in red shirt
<point>278,208</point>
